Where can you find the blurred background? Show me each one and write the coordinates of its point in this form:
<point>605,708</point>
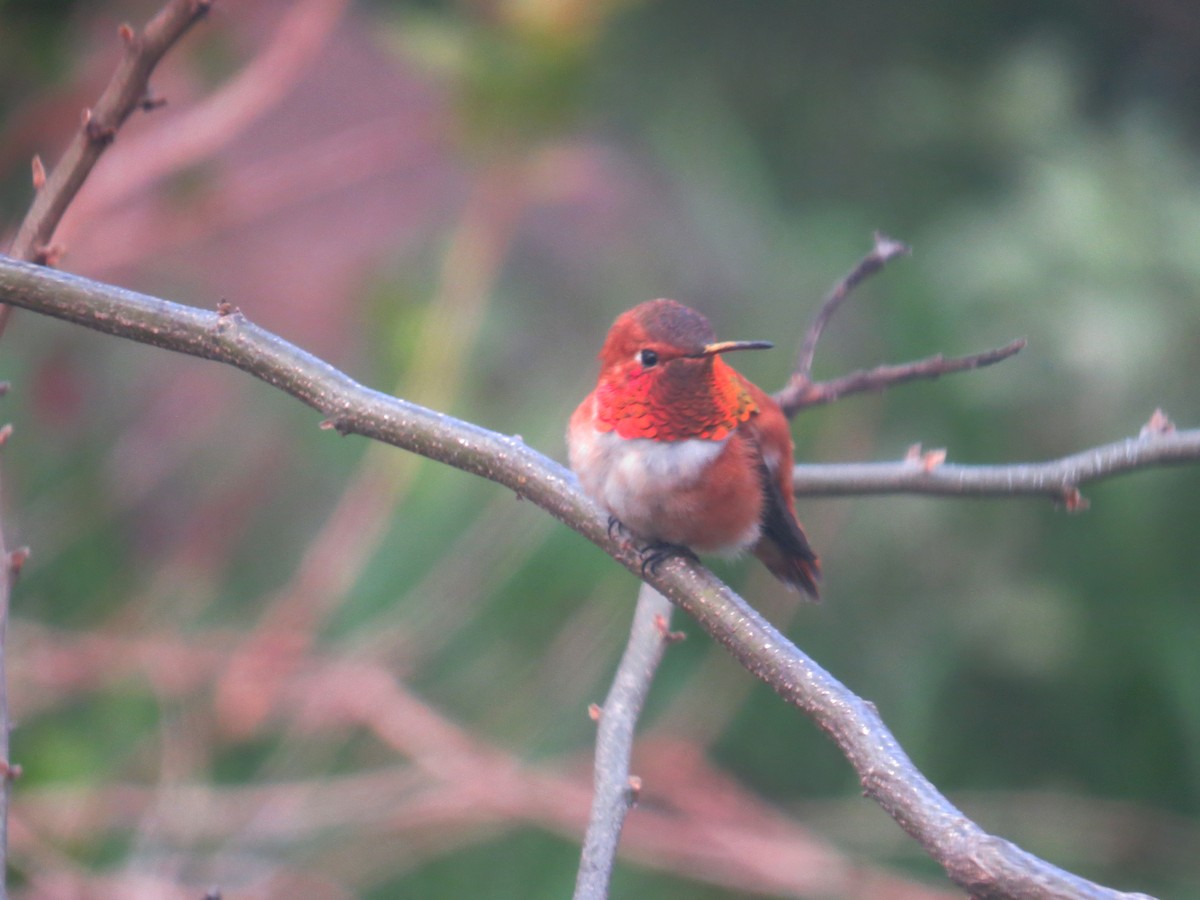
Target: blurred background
<point>251,654</point>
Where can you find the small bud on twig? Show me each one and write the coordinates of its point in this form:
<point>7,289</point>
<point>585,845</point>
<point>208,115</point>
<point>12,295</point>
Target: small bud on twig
<point>335,423</point>
<point>48,255</point>
<point>39,173</point>
<point>635,789</point>
<point>150,102</point>
<point>17,559</point>
<point>669,636</point>
<point>928,460</point>
<point>1159,424</point>
<point>97,133</point>
<point>1074,500</point>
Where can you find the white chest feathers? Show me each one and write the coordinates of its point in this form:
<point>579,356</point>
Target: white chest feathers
<point>638,479</point>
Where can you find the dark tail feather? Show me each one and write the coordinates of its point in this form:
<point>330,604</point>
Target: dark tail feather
<point>784,547</point>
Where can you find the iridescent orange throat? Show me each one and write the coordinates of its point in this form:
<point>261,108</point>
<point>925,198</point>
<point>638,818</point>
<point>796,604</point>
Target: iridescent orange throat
<point>683,399</point>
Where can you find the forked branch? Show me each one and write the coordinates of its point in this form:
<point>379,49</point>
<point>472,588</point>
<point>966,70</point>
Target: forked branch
<point>801,391</point>
<point>984,865</point>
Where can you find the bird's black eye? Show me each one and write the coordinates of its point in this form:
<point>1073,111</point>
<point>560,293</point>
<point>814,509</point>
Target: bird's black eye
<point>648,358</point>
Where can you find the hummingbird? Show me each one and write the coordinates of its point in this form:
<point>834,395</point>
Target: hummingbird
<point>684,451</point>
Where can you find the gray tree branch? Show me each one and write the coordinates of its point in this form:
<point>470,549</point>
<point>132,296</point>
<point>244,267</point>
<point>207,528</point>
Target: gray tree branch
<point>1058,479</point>
<point>801,391</point>
<point>615,790</point>
<point>984,865</point>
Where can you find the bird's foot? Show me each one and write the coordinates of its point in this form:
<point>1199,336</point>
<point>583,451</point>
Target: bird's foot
<point>616,529</point>
<point>655,554</point>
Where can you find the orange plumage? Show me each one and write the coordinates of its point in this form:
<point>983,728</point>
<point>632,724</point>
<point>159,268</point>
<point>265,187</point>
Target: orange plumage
<point>682,449</point>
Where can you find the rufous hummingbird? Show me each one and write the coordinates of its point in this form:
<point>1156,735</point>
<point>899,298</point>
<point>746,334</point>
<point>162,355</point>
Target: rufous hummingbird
<point>686,452</point>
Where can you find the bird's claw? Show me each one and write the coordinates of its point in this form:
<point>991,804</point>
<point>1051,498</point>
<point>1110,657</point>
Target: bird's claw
<point>615,528</point>
<point>654,555</point>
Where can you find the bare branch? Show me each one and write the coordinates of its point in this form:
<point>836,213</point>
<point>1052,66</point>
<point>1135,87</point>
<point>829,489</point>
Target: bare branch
<point>1058,479</point>
<point>199,133</point>
<point>984,865</point>
<point>801,393</point>
<point>884,251</point>
<point>613,795</point>
<point>10,564</point>
<point>128,90</point>
<point>347,407</point>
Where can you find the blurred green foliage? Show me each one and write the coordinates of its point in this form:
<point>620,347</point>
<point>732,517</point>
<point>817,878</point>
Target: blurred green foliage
<point>1041,158</point>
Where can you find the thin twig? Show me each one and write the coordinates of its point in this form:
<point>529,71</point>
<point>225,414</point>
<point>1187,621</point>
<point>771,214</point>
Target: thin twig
<point>198,134</point>
<point>801,393</point>
<point>7,770</point>
<point>1058,479</point>
<point>10,567</point>
<point>984,865</point>
<point>227,336</point>
<point>127,90</point>
<point>884,251</point>
<point>615,792</point>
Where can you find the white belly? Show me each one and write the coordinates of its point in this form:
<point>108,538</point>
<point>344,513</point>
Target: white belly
<point>639,480</point>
